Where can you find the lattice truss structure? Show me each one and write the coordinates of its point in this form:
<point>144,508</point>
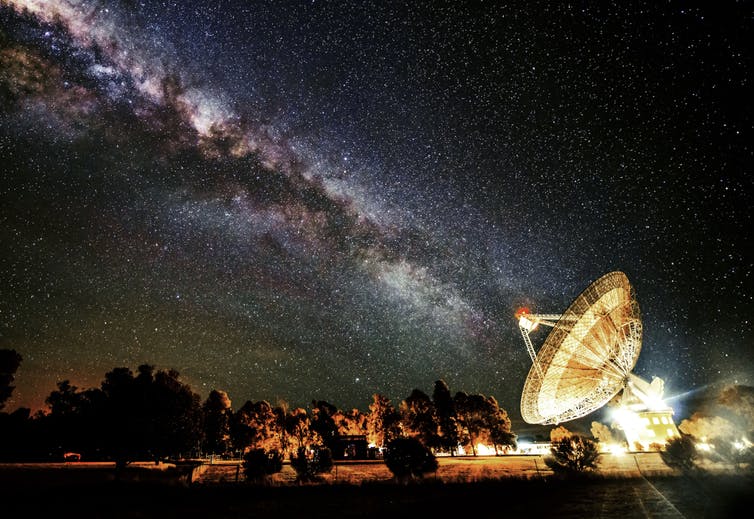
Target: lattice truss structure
<point>587,357</point>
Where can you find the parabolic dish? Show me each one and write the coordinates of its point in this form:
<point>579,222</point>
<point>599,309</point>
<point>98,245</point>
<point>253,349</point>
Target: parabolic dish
<point>586,359</point>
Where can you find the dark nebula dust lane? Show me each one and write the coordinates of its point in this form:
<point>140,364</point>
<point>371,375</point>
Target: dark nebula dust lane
<point>329,200</point>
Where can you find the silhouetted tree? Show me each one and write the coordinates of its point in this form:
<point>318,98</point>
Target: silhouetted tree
<point>282,425</point>
<point>126,416</point>
<point>176,415</point>
<point>572,455</point>
<point>259,464</point>
<point>499,427</point>
<point>9,363</point>
<point>149,416</point>
<point>323,423</point>
<point>351,422</point>
<point>383,421</point>
<point>74,421</point>
<point>680,453</point>
<point>474,413</point>
<point>447,419</point>
<point>408,458</point>
<point>255,426</point>
<point>298,427</point>
<point>66,400</point>
<point>20,437</point>
<point>217,414</point>
<point>419,418</point>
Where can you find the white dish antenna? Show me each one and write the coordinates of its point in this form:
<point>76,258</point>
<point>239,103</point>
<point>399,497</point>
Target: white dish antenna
<point>588,356</point>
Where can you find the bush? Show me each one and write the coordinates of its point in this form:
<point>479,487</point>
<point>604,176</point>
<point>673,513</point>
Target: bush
<point>680,453</point>
<point>572,455</point>
<point>408,458</point>
<point>309,468</point>
<point>259,464</point>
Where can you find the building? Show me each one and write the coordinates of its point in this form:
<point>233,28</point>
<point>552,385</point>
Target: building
<point>351,447</point>
<point>655,427</point>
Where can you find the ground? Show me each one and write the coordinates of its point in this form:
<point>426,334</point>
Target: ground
<point>506,486</point>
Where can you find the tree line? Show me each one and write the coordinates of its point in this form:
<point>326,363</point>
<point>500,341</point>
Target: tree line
<point>151,414</point>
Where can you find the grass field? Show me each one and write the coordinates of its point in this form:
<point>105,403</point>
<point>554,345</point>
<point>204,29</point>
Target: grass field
<point>506,486</point>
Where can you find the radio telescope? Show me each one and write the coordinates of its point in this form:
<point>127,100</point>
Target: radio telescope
<point>587,359</point>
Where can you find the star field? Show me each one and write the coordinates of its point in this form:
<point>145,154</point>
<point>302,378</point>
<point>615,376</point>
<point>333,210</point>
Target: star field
<point>299,200</point>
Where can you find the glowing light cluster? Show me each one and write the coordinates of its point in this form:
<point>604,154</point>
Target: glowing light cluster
<point>615,449</point>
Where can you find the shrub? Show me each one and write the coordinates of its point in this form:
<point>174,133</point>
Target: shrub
<point>408,458</point>
<point>309,467</point>
<point>680,453</point>
<point>572,455</point>
<point>259,464</point>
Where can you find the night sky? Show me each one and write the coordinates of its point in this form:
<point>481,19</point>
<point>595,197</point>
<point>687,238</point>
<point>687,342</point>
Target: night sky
<point>325,200</point>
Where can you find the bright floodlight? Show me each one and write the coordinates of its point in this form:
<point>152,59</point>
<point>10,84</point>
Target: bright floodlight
<point>588,356</point>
